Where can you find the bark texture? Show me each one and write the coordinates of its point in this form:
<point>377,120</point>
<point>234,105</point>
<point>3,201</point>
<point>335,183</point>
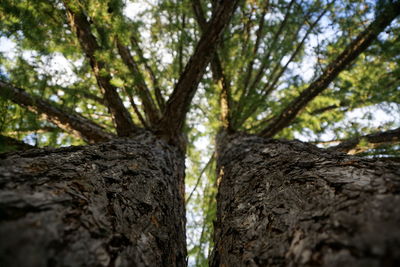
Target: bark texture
<point>288,203</point>
<point>178,103</point>
<point>113,204</point>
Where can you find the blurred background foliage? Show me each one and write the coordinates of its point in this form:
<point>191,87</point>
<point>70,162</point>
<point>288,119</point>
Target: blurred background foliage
<point>271,51</point>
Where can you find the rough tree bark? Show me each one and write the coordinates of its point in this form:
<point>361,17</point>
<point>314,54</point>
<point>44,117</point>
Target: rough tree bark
<point>118,203</point>
<point>178,104</point>
<point>288,203</point>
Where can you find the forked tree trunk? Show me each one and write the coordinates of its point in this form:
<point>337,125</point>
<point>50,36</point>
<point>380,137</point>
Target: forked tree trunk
<point>112,204</point>
<point>288,203</point>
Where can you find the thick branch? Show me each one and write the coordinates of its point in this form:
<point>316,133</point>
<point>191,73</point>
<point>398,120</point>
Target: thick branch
<point>69,122</point>
<point>350,146</point>
<point>351,52</point>
<point>80,25</point>
<point>179,102</point>
<point>142,88</point>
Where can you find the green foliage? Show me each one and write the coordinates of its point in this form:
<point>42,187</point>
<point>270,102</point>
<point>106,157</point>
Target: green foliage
<point>270,53</point>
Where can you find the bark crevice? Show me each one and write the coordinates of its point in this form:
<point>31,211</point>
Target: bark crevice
<point>288,203</point>
<point>118,203</point>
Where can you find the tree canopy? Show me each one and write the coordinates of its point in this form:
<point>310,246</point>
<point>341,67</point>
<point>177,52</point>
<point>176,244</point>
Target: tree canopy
<point>75,72</point>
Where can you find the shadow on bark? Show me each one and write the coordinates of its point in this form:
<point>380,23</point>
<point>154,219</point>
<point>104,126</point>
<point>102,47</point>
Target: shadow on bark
<point>112,204</point>
<point>288,203</point>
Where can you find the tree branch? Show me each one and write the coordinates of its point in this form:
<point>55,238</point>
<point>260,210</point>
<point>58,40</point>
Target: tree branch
<point>199,178</point>
<point>143,91</point>
<point>266,62</point>
<point>219,76</point>
<point>246,112</point>
<point>270,87</point>
<point>350,146</point>
<point>250,85</point>
<point>136,109</point>
<point>330,107</point>
<point>199,14</point>
<point>351,52</point>
<point>69,122</point>
<point>178,104</point>
<point>259,35</point>
<point>180,41</point>
<point>159,97</point>
<point>80,25</point>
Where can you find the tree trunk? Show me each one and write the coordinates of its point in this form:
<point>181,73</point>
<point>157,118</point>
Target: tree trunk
<point>288,203</point>
<point>118,203</point>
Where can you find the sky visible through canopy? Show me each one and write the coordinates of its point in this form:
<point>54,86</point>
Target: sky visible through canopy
<point>61,71</point>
